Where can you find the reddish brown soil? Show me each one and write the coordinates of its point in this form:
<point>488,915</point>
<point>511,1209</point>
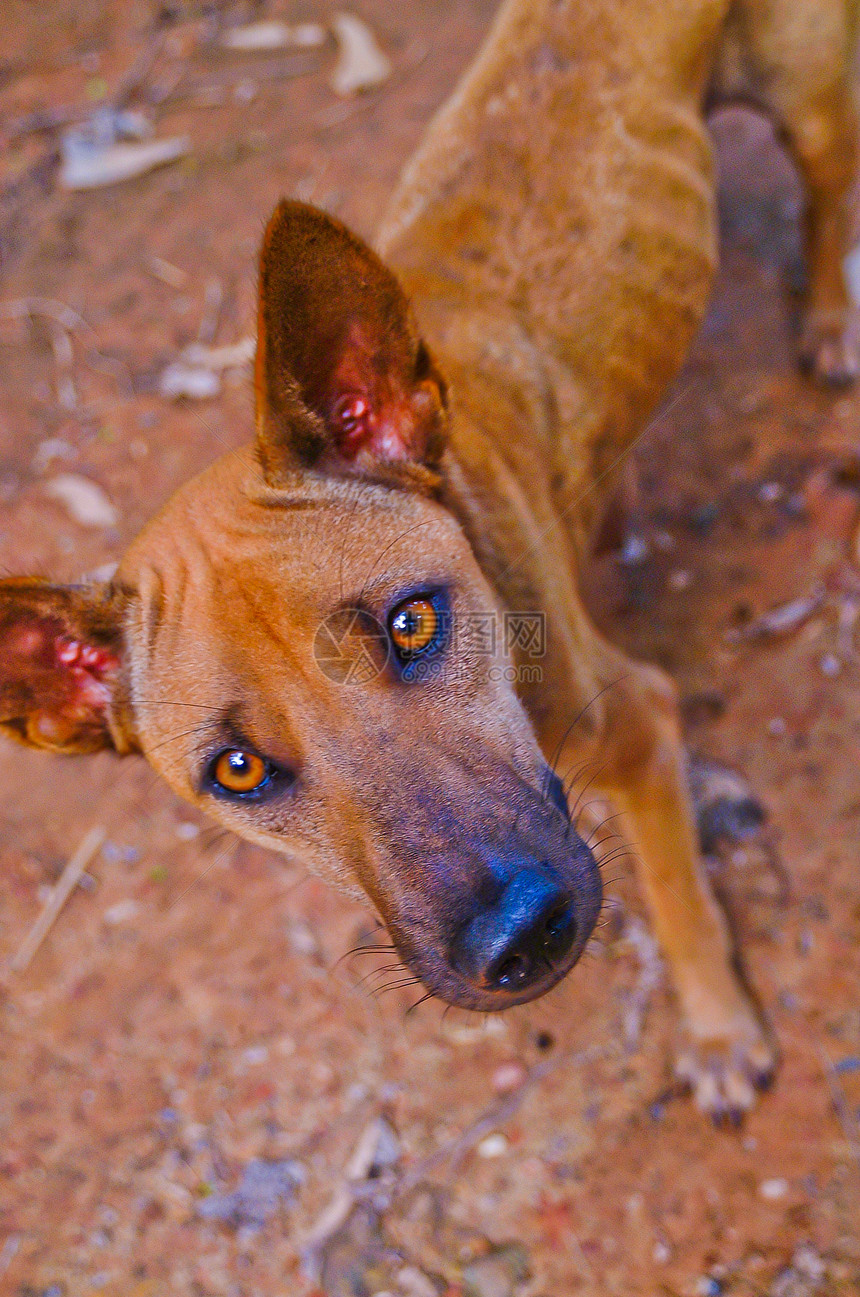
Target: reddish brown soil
<point>152,1048</point>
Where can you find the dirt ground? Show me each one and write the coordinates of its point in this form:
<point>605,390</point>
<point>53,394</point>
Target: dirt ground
<point>192,1009</point>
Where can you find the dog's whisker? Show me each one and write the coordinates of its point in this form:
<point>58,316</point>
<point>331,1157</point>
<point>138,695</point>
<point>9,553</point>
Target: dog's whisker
<point>183,734</point>
<point>597,845</point>
<point>576,811</point>
<point>364,950</point>
<point>577,718</point>
<point>397,539</point>
<point>343,547</point>
<point>573,774</point>
<point>395,986</point>
<point>607,819</point>
<point>172,702</point>
<point>367,950</point>
<point>616,853</point>
<point>381,972</point>
<point>213,837</point>
<point>423,1000</point>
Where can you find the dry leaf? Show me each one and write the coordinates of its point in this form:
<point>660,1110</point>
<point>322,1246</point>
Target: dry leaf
<point>93,168</point>
<point>273,36</point>
<point>85,500</point>
<point>195,382</point>
<point>360,63</point>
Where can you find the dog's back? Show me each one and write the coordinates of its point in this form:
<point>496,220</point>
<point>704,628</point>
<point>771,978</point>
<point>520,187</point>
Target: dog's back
<point>557,233</point>
<point>567,267</point>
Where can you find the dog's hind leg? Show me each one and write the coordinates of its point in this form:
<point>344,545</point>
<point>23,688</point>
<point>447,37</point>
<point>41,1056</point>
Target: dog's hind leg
<point>799,62</point>
<point>636,744</point>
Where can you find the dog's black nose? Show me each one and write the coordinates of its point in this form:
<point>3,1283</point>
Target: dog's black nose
<point>519,941</point>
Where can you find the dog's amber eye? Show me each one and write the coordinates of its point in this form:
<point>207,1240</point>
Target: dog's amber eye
<point>239,772</point>
<point>413,627</point>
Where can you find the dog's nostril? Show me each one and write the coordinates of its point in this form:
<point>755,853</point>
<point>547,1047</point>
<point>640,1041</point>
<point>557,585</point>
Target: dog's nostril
<point>558,932</point>
<point>511,973</point>
<point>557,921</point>
<point>520,940</point>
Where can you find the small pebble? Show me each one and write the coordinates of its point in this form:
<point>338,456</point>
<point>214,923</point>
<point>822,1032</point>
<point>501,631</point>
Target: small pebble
<point>245,91</point>
<point>770,492</point>
<point>776,726</point>
<point>773,1189</point>
<point>830,665</point>
<point>255,1054</point>
<point>508,1076</point>
<point>301,938</point>
<point>493,1146</point>
<point>466,1033</point>
<point>122,911</point>
<point>634,551</point>
<point>187,830</point>
<point>708,1286</point>
<point>661,1253</point>
<point>680,579</point>
<point>413,1282</point>
<point>196,384</point>
<point>703,518</point>
<point>50,449</point>
<point>498,1274</point>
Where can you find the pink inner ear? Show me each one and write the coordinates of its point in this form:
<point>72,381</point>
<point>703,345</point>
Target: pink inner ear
<point>86,667</point>
<point>367,411</point>
<point>59,682</point>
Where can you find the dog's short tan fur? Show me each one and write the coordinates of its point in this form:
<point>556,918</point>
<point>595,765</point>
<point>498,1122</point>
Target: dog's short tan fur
<point>556,237</point>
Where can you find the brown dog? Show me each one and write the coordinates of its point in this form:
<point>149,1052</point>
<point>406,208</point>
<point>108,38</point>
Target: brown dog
<point>361,641</point>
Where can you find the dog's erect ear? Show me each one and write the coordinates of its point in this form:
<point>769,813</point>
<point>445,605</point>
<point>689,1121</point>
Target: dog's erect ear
<point>343,381</point>
<point>60,658</point>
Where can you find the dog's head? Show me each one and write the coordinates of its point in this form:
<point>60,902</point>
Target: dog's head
<point>303,644</point>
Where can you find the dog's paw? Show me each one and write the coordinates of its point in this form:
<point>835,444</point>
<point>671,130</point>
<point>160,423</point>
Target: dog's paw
<point>725,1075</point>
<point>829,349</point>
<point>726,808</point>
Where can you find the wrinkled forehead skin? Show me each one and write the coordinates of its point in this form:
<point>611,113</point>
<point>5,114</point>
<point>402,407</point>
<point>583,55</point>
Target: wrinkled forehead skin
<point>228,587</point>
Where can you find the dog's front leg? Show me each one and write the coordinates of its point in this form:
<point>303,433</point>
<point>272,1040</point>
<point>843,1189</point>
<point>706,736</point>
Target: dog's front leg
<point>642,768</point>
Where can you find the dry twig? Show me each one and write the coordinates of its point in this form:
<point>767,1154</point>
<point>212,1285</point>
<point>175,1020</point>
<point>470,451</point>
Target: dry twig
<point>67,883</point>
